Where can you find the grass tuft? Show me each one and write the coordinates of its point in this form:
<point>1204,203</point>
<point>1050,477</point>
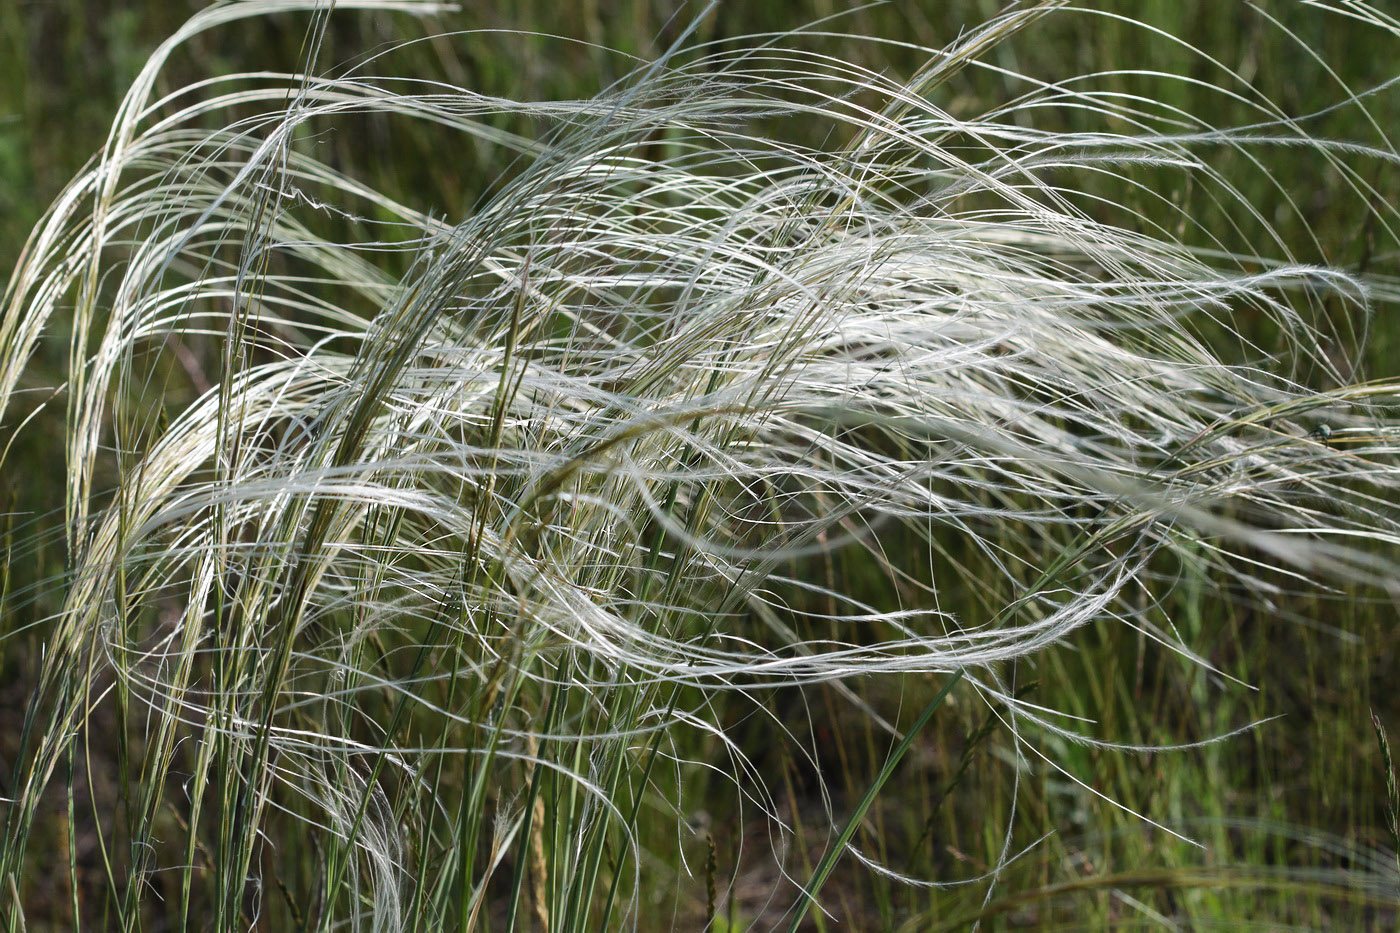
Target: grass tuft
<point>422,564</point>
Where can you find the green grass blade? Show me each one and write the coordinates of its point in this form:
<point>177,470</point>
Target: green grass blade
<point>834,853</point>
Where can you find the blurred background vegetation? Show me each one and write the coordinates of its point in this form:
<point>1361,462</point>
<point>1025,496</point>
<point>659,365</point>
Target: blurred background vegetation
<point>1292,815</point>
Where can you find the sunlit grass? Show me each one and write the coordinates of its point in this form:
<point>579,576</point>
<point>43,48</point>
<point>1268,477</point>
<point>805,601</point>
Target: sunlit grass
<point>422,564</point>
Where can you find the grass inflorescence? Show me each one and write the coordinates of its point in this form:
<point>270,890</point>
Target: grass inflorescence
<point>448,566</point>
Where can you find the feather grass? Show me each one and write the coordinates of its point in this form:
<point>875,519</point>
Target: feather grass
<point>463,524</point>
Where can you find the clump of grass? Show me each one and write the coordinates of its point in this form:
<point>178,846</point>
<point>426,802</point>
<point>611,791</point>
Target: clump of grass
<point>412,558</point>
